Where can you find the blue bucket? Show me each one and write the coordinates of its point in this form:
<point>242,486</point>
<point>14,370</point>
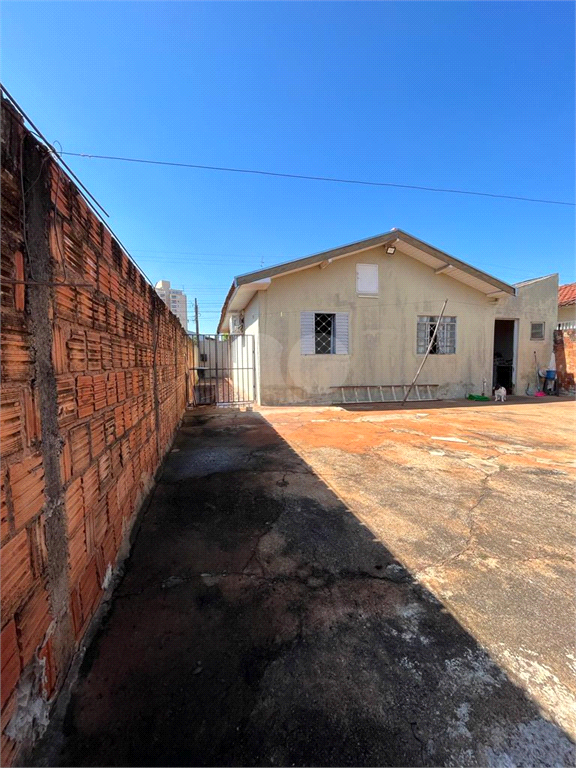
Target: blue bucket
<point>550,374</point>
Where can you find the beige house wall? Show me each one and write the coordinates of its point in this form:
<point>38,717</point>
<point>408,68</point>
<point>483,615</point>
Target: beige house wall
<point>567,314</point>
<point>382,329</point>
<point>246,386</point>
<point>536,302</point>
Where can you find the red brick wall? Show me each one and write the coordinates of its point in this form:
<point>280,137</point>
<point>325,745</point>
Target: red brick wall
<point>94,385</point>
<point>565,352</point>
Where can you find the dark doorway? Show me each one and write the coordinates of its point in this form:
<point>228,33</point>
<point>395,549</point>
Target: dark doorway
<point>504,354</point>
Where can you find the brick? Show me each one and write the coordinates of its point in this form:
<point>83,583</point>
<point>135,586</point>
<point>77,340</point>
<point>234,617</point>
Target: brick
<point>66,302</point>
<point>16,571</point>
<point>106,351</point>
<point>90,267</point>
<point>116,353</point>
<point>76,613</point>
<point>11,421</point>
<point>74,505</point>
<point>19,290</point>
<point>85,307</point>
<point>66,461</point>
<point>93,351</point>
<point>38,551</point>
<point>7,711</point>
<point>104,278</point>
<point>11,666</point>
<point>7,750</point>
<point>59,350</point>
<point>90,590</point>
<point>127,415</point>
<point>104,471</point>
<point>111,391</point>
<point>84,396</point>
<point>76,346</point>
<point>27,484</point>
<point>99,307</point>
<point>99,384</point>
<point>111,316</point>
<point>109,547</point>
<point>100,521</point>
<point>77,554</point>
<point>91,485</point>
<point>50,671</point>
<point>31,416</point>
<point>112,502</point>
<point>16,356</point>
<point>109,428</point>
<point>80,448</point>
<point>66,395</point>
<point>116,459</point>
<point>5,526</point>
<point>97,437</point>
<point>33,621</point>
<point>119,420</point>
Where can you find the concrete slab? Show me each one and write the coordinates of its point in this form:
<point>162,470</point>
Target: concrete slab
<point>334,587</point>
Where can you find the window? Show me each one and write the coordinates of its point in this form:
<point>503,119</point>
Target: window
<point>367,279</point>
<point>537,331</point>
<point>445,341</point>
<point>324,333</point>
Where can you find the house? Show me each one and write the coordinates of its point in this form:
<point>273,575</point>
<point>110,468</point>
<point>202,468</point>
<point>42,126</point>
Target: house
<point>354,323</point>
<point>565,338</point>
<point>567,306</point>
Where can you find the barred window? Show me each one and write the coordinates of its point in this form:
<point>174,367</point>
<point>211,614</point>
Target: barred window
<point>324,333</point>
<point>445,341</point>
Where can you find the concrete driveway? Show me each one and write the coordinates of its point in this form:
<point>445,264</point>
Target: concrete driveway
<point>331,587</point>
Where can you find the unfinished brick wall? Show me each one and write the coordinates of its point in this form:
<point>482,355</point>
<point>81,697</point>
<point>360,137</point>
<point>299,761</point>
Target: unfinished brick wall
<point>565,353</point>
<point>94,385</point>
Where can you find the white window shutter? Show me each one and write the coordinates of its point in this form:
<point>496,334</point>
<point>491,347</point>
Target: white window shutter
<point>341,334</point>
<point>367,279</point>
<point>307,333</point>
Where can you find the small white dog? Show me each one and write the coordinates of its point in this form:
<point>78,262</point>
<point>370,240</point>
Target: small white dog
<point>500,394</point>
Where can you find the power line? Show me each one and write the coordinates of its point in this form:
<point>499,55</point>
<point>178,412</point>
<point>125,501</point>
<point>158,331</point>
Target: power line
<point>318,178</point>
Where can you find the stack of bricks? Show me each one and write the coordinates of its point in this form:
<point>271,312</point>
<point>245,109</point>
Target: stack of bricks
<point>106,397</point>
<point>565,354</point>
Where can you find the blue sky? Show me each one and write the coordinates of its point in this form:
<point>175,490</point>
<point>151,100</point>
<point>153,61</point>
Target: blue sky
<point>471,95</point>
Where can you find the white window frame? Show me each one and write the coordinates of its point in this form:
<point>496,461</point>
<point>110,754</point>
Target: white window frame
<point>340,333</point>
<point>444,336</point>
<point>537,338</point>
<point>368,294</point>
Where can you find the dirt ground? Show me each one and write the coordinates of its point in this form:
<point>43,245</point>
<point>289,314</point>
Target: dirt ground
<point>338,586</point>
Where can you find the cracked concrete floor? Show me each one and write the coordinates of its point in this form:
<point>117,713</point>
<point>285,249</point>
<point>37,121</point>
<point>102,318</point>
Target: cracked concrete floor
<point>328,587</point>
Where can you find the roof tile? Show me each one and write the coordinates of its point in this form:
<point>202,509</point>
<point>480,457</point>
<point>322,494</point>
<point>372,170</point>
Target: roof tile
<point>567,294</point>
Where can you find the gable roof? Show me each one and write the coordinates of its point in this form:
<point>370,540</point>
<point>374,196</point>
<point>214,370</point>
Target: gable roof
<point>245,286</point>
<point>567,294</point>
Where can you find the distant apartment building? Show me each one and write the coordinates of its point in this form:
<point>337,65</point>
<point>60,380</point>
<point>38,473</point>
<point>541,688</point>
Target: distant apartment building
<point>174,299</point>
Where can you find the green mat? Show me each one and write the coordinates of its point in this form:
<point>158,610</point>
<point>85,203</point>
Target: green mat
<point>478,397</point>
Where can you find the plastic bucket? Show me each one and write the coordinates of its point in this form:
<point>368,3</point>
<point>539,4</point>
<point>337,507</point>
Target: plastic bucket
<point>550,374</point>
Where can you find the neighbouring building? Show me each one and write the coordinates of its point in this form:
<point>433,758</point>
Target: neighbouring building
<point>567,306</point>
<point>565,338</point>
<point>175,300</point>
<point>354,323</point>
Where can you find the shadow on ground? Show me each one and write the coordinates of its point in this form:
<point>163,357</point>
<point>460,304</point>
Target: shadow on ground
<point>260,623</point>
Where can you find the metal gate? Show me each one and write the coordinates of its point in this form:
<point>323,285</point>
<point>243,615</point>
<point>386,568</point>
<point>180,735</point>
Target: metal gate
<point>224,371</point>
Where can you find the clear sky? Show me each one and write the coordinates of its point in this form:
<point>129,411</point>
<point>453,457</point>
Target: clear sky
<point>468,95</point>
